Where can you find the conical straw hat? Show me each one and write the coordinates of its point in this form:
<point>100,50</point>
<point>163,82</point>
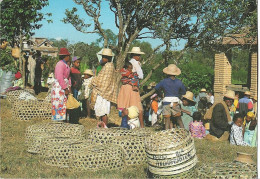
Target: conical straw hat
<point>230,94</point>
<point>136,50</point>
<point>172,70</point>
<point>188,96</point>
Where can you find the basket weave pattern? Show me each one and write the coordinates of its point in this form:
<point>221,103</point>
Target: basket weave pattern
<point>37,133</point>
<point>170,153</point>
<point>27,110</point>
<point>97,157</point>
<point>12,96</point>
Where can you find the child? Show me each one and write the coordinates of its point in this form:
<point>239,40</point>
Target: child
<point>88,76</point>
<point>154,108</point>
<point>130,118</point>
<point>236,135</point>
<point>129,77</point>
<point>75,77</point>
<point>249,128</point>
<point>196,127</point>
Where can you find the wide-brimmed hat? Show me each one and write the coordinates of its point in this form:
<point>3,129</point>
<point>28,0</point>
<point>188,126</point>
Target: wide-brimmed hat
<point>188,96</point>
<point>88,72</point>
<point>133,112</point>
<point>64,51</point>
<point>247,93</point>
<point>230,94</point>
<point>107,52</point>
<point>244,158</point>
<point>172,70</point>
<point>136,50</point>
<point>203,90</point>
<point>75,58</point>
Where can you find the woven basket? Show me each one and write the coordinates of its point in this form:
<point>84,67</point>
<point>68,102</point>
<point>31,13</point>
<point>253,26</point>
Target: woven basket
<point>228,170</point>
<point>27,110</point>
<point>12,96</point>
<point>133,147</point>
<point>97,157</point>
<point>37,133</point>
<point>184,175</point>
<point>106,136</point>
<point>170,152</point>
<point>58,151</point>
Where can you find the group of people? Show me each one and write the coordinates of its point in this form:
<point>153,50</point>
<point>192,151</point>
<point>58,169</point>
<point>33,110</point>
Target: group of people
<point>201,116</point>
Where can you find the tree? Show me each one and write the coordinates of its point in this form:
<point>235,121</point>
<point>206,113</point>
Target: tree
<point>199,22</point>
<point>18,19</point>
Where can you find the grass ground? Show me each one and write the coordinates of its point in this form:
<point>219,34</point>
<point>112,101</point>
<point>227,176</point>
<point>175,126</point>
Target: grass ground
<point>16,162</point>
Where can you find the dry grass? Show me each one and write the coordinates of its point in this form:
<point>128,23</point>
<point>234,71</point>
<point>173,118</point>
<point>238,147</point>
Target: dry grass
<point>16,162</point>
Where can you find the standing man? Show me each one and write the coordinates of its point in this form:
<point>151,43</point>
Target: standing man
<point>104,87</point>
<point>38,73</point>
<point>245,104</point>
<point>135,61</point>
<point>173,90</point>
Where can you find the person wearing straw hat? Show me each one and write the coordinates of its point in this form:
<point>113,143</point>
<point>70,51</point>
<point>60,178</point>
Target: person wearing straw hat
<point>88,76</point>
<point>245,104</point>
<point>173,89</point>
<point>202,94</point>
<point>220,118</point>
<point>104,87</point>
<point>187,108</point>
<point>135,100</point>
<point>61,86</point>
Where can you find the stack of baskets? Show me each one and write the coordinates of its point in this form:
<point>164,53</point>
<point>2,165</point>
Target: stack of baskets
<point>132,141</point>
<point>12,96</point>
<point>37,133</point>
<point>228,170</point>
<point>170,153</point>
<point>27,110</point>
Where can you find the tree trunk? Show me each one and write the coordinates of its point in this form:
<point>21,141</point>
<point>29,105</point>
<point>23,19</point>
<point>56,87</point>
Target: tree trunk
<point>21,59</point>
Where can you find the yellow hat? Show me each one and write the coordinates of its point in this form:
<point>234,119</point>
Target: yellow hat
<point>247,93</point>
<point>133,112</point>
<point>250,114</point>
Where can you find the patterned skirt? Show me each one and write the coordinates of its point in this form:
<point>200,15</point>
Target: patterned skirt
<point>58,100</point>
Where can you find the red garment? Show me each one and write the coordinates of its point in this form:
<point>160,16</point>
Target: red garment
<point>129,77</point>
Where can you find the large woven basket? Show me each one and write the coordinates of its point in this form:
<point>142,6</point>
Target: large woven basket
<point>103,136</point>
<point>37,133</point>
<point>97,157</point>
<point>133,147</point>
<point>12,96</point>
<point>58,151</point>
<point>170,152</point>
<point>228,170</point>
<point>27,110</point>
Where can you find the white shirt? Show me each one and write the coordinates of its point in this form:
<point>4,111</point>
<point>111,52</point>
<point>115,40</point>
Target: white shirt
<point>211,99</point>
<point>236,136</point>
<point>137,68</point>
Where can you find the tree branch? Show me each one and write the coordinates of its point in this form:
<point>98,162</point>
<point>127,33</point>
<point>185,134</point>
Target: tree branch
<point>147,94</point>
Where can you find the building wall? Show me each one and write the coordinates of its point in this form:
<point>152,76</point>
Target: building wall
<point>222,77</point>
<point>253,81</point>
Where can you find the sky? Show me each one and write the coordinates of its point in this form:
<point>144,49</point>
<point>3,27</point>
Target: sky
<point>59,30</point>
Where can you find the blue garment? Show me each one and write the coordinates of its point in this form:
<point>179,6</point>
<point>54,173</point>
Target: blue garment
<point>171,88</point>
<point>75,93</point>
<point>245,99</point>
<point>124,122</point>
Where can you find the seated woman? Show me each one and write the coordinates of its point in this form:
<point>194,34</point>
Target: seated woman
<point>249,128</point>
<point>220,119</point>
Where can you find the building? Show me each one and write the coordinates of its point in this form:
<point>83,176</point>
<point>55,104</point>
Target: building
<point>44,45</point>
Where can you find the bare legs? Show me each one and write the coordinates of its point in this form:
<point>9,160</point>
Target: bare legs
<point>141,119</point>
<point>105,119</point>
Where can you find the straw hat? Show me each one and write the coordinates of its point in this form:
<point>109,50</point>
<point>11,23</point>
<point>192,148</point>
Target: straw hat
<point>172,70</point>
<point>188,96</point>
<point>247,93</point>
<point>203,90</point>
<point>136,50</point>
<point>133,112</point>
<point>230,94</point>
<point>255,98</point>
<point>244,158</point>
<point>88,72</point>
<point>107,52</point>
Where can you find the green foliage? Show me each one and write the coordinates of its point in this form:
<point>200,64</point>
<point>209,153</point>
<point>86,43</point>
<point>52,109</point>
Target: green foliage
<point>196,76</point>
<point>49,66</point>
<point>20,17</point>
<point>7,62</point>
